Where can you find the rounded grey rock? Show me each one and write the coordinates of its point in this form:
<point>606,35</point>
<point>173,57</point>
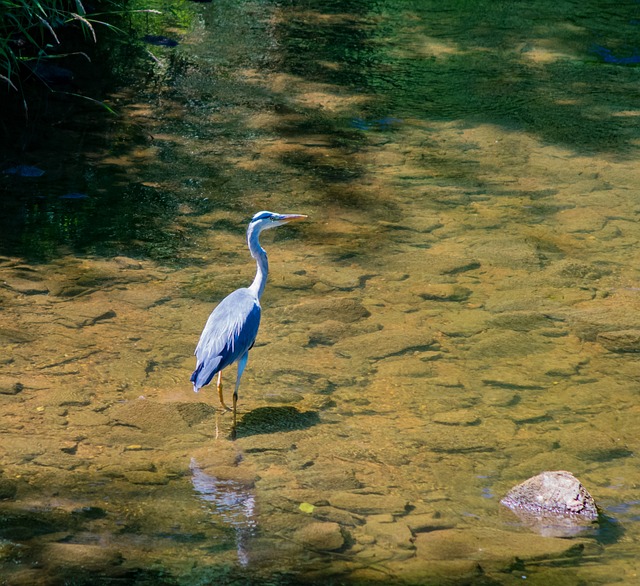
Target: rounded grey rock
<point>558,493</point>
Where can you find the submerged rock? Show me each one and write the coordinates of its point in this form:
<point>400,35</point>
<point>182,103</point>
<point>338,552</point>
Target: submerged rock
<point>124,262</point>
<point>620,341</point>
<point>160,41</point>
<point>327,477</point>
<point>342,309</point>
<point>13,336</point>
<point>444,292</point>
<point>392,343</point>
<point>8,489</point>
<point>553,504</point>
<point>493,549</point>
<point>369,504</point>
<point>52,74</point>
<point>74,196</point>
<point>388,532</point>
<point>320,536</point>
<point>81,556</point>
<point>386,123</point>
<point>146,478</point>
<point>26,286</point>
<point>24,171</point>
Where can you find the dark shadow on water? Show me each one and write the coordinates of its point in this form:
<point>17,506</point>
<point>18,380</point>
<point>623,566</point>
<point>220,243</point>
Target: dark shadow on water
<point>275,419</point>
<point>417,63</point>
<point>610,530</point>
<point>27,535</point>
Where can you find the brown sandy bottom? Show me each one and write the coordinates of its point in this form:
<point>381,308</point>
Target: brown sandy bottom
<point>389,403</point>
<point>461,315</point>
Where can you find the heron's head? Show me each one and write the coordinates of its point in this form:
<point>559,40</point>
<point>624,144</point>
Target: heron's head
<point>266,220</point>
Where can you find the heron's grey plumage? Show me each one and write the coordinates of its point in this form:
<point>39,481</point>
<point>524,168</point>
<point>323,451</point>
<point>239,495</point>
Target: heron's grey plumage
<point>229,333</point>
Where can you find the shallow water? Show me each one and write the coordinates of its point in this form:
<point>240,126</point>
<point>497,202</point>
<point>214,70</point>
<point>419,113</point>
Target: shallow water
<point>459,313</point>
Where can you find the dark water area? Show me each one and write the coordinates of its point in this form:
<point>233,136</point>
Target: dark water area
<point>458,313</point>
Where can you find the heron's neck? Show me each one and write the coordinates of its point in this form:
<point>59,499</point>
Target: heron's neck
<point>257,252</point>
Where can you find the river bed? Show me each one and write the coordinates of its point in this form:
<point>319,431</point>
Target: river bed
<point>458,313</point>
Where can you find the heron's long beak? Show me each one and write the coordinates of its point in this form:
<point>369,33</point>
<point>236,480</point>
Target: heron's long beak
<point>292,217</point>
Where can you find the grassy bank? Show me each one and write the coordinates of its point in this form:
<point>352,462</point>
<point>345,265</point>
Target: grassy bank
<point>43,43</point>
<point>35,30</point>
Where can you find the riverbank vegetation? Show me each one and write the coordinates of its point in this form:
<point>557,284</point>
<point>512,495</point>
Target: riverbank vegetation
<point>33,32</point>
<point>47,45</point>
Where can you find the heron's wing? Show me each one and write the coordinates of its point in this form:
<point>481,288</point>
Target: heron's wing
<point>229,333</point>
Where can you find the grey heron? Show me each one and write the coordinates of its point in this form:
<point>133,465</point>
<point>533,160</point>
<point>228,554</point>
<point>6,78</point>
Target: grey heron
<point>232,327</point>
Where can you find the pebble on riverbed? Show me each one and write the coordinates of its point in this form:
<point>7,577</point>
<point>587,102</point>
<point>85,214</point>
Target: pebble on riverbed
<point>10,386</point>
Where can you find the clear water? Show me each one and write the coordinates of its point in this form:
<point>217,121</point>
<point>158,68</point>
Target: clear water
<point>459,313</point>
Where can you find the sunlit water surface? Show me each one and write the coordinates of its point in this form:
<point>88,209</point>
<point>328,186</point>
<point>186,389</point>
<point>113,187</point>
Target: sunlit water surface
<point>459,313</point>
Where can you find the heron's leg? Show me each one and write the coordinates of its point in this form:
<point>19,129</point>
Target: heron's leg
<point>235,402</point>
<point>219,386</point>
<point>241,364</point>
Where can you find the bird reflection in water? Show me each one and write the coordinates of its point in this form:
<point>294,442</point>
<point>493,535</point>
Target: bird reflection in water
<point>233,502</point>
